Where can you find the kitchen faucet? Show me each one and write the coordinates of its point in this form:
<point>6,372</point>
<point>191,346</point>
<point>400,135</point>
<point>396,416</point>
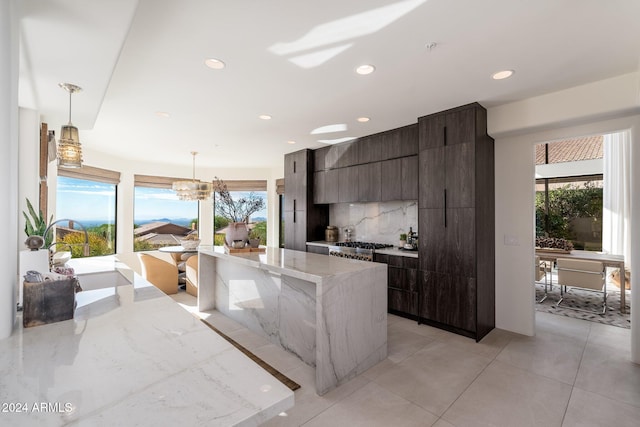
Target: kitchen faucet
<point>85,249</point>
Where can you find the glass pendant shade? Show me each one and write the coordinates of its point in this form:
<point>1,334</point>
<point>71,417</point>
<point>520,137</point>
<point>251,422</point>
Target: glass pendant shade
<point>69,148</point>
<point>193,189</point>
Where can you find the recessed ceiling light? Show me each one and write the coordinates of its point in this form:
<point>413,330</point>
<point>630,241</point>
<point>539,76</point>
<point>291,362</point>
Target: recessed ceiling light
<point>291,142</point>
<point>365,69</point>
<point>162,114</point>
<point>500,75</point>
<point>214,63</point>
<point>363,119</point>
<point>264,117</point>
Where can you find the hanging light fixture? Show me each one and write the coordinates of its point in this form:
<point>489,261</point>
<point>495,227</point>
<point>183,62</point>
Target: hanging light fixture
<point>193,189</point>
<point>69,148</point>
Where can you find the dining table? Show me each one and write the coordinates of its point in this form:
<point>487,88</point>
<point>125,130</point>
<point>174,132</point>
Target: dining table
<point>608,260</point>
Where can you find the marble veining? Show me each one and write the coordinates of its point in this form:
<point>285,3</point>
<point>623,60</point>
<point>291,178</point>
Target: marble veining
<point>132,356</point>
<point>380,222</point>
<point>330,312</point>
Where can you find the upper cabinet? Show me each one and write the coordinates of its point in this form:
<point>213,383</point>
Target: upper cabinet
<point>374,168</point>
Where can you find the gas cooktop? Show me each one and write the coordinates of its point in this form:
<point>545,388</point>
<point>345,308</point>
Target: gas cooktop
<point>364,245</point>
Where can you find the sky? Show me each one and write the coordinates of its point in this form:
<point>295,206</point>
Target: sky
<point>83,200</point>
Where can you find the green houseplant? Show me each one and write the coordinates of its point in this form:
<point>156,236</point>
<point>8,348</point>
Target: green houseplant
<point>35,225</point>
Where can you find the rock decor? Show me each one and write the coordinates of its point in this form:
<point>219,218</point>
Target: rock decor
<point>554,243</point>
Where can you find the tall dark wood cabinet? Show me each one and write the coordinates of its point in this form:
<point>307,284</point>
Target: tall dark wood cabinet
<point>303,221</point>
<point>456,221</point>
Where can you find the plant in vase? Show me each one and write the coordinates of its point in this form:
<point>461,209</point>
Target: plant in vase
<point>254,238</point>
<point>36,225</point>
<point>403,240</point>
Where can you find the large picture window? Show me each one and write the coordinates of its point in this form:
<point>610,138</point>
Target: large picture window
<point>160,218</point>
<point>87,197</point>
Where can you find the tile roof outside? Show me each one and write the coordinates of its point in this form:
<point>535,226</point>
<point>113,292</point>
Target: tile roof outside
<point>571,150</point>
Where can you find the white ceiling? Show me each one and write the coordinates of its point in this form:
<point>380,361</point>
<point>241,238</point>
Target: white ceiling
<point>295,61</point>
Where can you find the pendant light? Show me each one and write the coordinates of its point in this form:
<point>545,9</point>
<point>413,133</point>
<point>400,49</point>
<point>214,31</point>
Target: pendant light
<point>193,189</point>
<point>69,148</point>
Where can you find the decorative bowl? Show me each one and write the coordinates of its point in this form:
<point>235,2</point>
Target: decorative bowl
<point>190,244</point>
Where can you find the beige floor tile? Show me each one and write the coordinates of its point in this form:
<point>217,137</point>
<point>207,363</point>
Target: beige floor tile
<point>612,336</point>
<point>421,329</point>
<point>507,396</point>
<point>370,406</point>
<point>562,325</point>
<point>381,368</point>
<point>443,423</point>
<point>609,372</point>
<point>434,377</point>
<point>490,346</point>
<point>307,403</point>
<point>402,343</point>
<point>553,356</point>
<point>590,409</point>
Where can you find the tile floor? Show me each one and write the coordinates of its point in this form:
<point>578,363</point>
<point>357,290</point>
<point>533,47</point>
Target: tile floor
<point>572,373</point>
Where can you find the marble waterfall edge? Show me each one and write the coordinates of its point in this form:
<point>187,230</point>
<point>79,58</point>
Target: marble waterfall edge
<point>330,312</point>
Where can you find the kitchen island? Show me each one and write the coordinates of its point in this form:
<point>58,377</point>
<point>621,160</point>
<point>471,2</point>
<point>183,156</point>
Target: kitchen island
<point>130,356</point>
<point>330,312</point>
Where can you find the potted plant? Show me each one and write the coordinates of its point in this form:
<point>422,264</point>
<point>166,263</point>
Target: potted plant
<point>254,239</point>
<point>35,225</point>
<point>403,240</point>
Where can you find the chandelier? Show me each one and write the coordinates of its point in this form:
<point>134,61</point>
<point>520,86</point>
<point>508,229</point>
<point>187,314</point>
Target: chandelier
<point>69,148</point>
<point>193,189</point>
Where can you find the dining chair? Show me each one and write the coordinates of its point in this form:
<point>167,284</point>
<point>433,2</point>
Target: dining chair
<point>583,274</point>
<point>541,269</point>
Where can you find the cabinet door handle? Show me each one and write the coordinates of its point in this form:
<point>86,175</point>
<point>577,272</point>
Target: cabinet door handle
<point>294,216</point>
<point>294,166</point>
<point>294,204</point>
<point>444,134</point>
<point>445,207</point>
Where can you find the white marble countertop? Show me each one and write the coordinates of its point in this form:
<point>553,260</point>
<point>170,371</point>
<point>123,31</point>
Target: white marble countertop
<point>302,265</point>
<point>130,356</point>
<point>387,251</point>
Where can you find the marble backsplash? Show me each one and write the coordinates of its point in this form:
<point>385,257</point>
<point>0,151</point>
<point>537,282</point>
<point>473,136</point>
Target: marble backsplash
<point>381,222</point>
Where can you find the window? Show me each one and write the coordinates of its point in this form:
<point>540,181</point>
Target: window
<point>570,207</point>
<point>160,218</point>
<point>87,197</point>
<point>244,201</point>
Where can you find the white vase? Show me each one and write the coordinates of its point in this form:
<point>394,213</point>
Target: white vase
<point>236,231</point>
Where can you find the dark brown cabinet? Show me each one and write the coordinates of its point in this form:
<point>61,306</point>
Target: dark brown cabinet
<point>400,142</point>
<point>391,184</point>
<point>456,221</point>
<point>402,284</point>
<point>369,179</point>
<point>410,175</point>
<point>325,186</point>
<point>303,220</point>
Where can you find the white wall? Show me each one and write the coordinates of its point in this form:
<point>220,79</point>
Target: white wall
<point>517,127</point>
<point>8,163</point>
